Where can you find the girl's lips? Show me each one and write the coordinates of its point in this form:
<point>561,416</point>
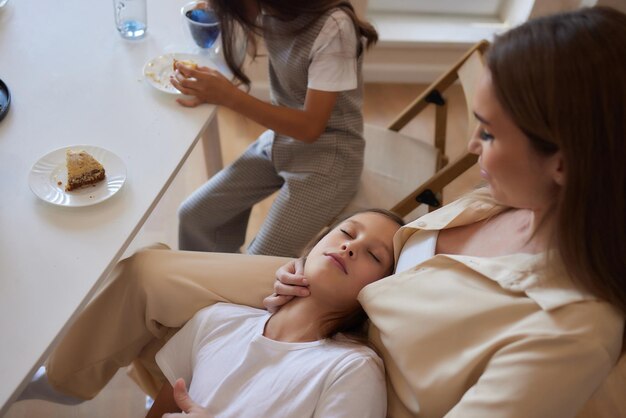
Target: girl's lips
<point>337,261</point>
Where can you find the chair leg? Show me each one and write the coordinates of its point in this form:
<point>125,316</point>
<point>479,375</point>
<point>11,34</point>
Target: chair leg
<point>441,117</point>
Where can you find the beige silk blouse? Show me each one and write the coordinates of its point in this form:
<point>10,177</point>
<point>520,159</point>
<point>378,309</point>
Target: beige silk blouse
<point>487,337</point>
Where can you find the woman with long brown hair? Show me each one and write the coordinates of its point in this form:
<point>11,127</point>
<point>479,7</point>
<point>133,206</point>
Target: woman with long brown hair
<point>518,310</point>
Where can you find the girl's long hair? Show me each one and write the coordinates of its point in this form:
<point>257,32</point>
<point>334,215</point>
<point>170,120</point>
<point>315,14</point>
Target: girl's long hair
<point>237,26</point>
<point>562,79</point>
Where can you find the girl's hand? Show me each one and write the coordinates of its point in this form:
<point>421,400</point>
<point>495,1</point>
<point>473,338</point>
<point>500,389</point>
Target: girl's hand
<point>206,84</point>
<point>290,282</point>
<point>190,408</point>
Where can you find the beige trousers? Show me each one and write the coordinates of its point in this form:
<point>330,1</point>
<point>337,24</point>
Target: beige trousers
<point>150,296</point>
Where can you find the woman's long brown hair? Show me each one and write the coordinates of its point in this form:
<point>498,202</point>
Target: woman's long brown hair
<point>562,79</point>
<point>237,24</point>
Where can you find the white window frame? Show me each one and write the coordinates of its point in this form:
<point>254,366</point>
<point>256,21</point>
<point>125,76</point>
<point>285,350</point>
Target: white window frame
<point>417,47</point>
<point>448,7</point>
<point>458,22</point>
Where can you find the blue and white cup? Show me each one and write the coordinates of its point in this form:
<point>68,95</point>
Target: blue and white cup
<point>131,18</point>
<point>202,24</point>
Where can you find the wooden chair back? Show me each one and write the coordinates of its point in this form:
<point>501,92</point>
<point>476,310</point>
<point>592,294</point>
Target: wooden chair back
<point>467,71</point>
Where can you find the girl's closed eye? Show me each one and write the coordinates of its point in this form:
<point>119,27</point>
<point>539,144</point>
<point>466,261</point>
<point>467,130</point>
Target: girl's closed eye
<point>377,259</point>
<point>347,233</point>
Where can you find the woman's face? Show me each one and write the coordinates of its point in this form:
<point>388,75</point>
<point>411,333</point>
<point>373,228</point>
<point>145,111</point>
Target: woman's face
<point>517,175</point>
<point>354,254</point>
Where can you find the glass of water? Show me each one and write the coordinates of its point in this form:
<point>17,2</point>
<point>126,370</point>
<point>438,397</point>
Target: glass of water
<point>202,24</point>
<point>131,18</point>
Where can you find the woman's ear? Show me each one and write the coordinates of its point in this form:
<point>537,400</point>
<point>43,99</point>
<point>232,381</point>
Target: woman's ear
<point>558,170</point>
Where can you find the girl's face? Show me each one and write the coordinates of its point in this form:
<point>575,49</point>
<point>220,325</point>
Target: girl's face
<point>354,254</point>
<point>517,175</point>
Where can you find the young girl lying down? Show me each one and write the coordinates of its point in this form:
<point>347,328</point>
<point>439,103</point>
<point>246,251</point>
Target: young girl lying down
<point>304,360</point>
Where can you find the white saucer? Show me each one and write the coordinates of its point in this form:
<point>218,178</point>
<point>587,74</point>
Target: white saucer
<point>48,178</point>
<point>158,70</point>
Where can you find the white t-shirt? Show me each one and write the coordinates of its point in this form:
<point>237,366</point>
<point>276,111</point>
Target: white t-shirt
<point>334,55</point>
<point>232,369</point>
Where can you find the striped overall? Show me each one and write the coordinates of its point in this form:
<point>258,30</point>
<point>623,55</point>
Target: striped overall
<point>316,181</point>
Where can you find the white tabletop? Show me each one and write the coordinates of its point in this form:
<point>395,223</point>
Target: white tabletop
<point>74,80</point>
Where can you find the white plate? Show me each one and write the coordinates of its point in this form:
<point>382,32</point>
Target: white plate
<point>48,178</point>
<point>158,70</point>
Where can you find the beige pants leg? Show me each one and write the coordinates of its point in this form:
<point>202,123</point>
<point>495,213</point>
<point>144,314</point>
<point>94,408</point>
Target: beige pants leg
<point>151,292</point>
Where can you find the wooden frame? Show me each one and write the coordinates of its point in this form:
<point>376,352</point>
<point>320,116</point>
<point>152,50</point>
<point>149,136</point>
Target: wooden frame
<point>428,192</point>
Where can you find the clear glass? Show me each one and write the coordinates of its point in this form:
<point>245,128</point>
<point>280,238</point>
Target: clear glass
<point>3,2</point>
<point>131,19</point>
<point>202,25</point>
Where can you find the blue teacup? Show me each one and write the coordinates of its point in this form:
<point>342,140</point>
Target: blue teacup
<point>202,23</point>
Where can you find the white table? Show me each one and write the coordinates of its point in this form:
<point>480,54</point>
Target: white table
<point>74,80</point>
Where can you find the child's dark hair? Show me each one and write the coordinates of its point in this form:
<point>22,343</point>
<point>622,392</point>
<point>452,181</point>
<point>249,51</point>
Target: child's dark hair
<point>235,22</point>
<point>353,325</point>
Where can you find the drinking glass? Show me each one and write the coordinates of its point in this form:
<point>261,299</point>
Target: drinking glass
<point>131,18</point>
<point>202,24</point>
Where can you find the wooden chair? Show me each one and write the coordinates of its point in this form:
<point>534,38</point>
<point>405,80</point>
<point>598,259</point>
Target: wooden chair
<point>395,163</point>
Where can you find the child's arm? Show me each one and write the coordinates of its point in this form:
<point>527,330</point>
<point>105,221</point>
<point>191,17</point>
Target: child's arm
<point>164,402</point>
<point>209,86</point>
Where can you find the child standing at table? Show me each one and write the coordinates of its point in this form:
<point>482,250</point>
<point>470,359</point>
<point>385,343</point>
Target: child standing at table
<point>313,149</point>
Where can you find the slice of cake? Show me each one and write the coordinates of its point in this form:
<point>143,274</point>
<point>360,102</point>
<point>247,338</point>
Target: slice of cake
<point>188,63</point>
<point>82,169</point>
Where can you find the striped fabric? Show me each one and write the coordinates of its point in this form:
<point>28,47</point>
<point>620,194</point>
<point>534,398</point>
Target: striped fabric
<point>316,181</point>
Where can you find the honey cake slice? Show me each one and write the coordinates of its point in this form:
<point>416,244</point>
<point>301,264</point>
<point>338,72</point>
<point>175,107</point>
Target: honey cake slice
<point>82,169</point>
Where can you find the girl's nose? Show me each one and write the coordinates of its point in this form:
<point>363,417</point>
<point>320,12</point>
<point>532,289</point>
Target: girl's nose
<point>346,247</point>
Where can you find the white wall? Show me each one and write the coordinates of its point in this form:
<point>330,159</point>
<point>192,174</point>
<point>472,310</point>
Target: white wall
<point>546,7</point>
<point>420,62</point>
